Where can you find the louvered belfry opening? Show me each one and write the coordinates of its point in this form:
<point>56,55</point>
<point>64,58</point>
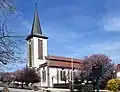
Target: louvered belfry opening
<point>30,54</point>
<point>40,49</point>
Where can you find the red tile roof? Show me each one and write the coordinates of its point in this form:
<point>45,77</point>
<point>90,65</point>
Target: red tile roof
<point>118,68</point>
<point>60,58</point>
<point>62,62</point>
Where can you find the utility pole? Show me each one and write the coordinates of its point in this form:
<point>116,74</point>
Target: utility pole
<point>98,84</point>
<point>72,86</point>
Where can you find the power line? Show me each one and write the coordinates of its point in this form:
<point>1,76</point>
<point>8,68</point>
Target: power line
<point>14,36</point>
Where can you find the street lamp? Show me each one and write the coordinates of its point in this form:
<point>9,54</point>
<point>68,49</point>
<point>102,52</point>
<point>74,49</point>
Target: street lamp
<point>113,74</point>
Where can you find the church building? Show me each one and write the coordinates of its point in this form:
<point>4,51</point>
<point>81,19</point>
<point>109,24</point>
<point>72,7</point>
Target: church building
<point>52,69</point>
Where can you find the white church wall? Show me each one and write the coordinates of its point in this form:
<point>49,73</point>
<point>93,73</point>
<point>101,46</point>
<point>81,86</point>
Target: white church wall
<point>53,76</point>
<point>53,72</point>
<point>43,84</point>
<point>118,74</point>
<point>37,61</point>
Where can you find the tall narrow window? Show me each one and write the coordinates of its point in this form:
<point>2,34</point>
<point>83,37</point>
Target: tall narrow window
<point>74,73</point>
<point>57,76</point>
<point>61,75</point>
<point>30,54</point>
<point>40,49</point>
<point>64,75</point>
<point>44,75</point>
<point>71,76</point>
<point>68,74</point>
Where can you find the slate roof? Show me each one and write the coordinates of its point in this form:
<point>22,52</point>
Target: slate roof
<point>36,27</point>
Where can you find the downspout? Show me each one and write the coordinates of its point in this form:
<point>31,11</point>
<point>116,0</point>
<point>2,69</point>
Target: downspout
<point>48,72</point>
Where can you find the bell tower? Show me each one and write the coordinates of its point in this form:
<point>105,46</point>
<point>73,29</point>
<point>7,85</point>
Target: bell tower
<point>36,43</point>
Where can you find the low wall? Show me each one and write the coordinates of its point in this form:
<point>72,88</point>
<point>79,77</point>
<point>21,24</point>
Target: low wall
<point>57,90</point>
<point>44,90</point>
<point>62,86</point>
<point>103,91</point>
<point>66,90</point>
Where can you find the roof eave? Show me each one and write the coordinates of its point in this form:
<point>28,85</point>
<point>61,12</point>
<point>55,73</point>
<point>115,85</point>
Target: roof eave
<point>36,35</point>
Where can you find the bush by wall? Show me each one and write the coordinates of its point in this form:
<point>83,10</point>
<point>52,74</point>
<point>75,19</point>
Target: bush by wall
<point>113,85</point>
<point>83,88</point>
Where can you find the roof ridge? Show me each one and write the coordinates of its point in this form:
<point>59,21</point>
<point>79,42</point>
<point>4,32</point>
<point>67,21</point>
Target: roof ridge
<point>64,57</point>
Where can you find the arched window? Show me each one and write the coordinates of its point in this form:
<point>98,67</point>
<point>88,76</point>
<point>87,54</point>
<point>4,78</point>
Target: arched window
<point>44,74</point>
<point>74,73</point>
<point>64,75</point>
<point>68,75</point>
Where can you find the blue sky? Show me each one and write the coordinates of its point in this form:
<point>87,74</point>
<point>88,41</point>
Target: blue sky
<point>76,28</point>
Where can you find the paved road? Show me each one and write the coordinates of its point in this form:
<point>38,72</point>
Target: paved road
<point>19,90</point>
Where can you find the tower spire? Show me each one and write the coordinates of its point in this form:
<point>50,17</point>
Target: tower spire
<point>36,27</point>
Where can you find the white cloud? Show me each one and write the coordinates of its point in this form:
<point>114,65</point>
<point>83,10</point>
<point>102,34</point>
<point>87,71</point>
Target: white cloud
<point>111,17</point>
<point>110,48</point>
<point>20,27</point>
<point>111,23</point>
<point>115,57</point>
<point>26,24</point>
<point>61,34</point>
<point>106,46</point>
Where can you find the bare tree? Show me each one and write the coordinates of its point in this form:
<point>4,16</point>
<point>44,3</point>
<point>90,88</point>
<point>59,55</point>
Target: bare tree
<point>9,46</point>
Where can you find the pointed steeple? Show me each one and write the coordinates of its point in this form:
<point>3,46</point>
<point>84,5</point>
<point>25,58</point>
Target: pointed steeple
<point>36,27</point>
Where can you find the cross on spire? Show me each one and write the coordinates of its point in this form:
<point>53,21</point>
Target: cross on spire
<point>36,4</point>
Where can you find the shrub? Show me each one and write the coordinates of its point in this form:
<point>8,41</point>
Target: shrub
<point>83,88</point>
<point>113,85</point>
<point>118,82</point>
<point>87,88</point>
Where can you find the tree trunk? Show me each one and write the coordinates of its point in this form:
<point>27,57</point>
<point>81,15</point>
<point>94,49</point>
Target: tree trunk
<point>27,84</point>
<point>22,85</point>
